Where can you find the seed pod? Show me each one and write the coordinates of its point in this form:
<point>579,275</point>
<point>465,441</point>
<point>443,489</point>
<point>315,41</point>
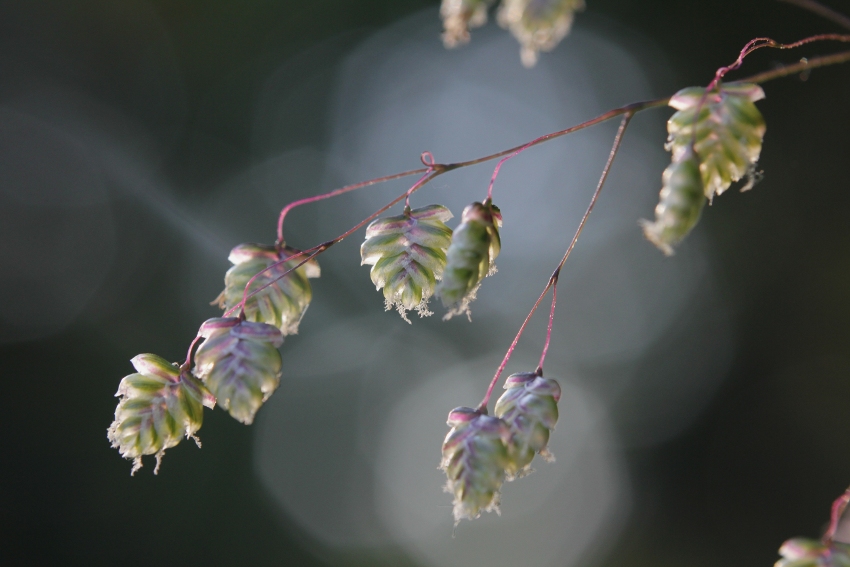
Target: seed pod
<point>538,25</point>
<point>802,552</point>
<point>530,408</point>
<point>474,458</point>
<point>240,364</point>
<point>158,406</point>
<point>729,132</point>
<point>471,256</point>
<point>680,204</point>
<point>459,16</point>
<point>282,303</point>
<point>408,256</point>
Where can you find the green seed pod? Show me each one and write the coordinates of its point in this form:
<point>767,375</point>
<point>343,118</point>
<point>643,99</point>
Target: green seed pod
<point>530,408</point>
<point>681,202</point>
<point>158,406</point>
<point>474,458</point>
<point>240,364</point>
<point>471,256</point>
<point>408,256</point>
<point>459,16</point>
<point>282,303</point>
<point>729,132</point>
<point>538,25</point>
<point>802,552</point>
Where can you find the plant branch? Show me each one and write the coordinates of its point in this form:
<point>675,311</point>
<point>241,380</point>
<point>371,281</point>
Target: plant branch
<point>837,511</point>
<point>821,10</point>
<point>553,280</point>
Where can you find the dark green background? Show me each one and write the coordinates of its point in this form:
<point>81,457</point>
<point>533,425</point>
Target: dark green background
<point>762,464</point>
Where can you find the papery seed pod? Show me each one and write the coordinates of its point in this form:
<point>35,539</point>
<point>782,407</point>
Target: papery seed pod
<point>474,458</point>
<point>471,256</point>
<point>408,256</point>
<point>681,202</point>
<point>239,363</point>
<point>158,405</point>
<point>802,552</point>
<point>530,408</point>
<point>729,132</point>
<point>282,303</point>
<point>538,25</point>
<point>459,16</point>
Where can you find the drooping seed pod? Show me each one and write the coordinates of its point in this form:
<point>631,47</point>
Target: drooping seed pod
<point>158,405</point>
<point>471,256</point>
<point>475,458</point>
<point>459,16</point>
<point>729,132</point>
<point>538,25</point>
<point>239,363</point>
<point>530,408</point>
<point>282,303</point>
<point>681,202</point>
<point>408,256</point>
<point>802,552</point>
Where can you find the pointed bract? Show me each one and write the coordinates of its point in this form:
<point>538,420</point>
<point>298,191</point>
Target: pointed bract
<point>282,303</point>
<point>240,364</point>
<point>530,408</point>
<point>158,406</point>
<point>538,25</point>
<point>474,458</point>
<point>408,256</point>
<point>470,257</point>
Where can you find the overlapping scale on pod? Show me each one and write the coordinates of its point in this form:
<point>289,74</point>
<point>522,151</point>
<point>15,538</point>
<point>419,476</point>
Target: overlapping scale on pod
<point>475,458</point>
<point>282,303</point>
<point>538,25</point>
<point>680,203</point>
<point>729,132</point>
<point>408,256</point>
<point>530,409</point>
<point>239,363</point>
<point>471,256</point>
<point>459,16</point>
<point>802,552</point>
<point>158,406</point>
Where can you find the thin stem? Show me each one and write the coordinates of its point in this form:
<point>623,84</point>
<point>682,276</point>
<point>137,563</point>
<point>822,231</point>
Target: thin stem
<point>188,364</point>
<point>512,155</point>
<point>334,193</point>
<point>799,67</point>
<point>821,10</point>
<point>837,511</point>
<point>551,321</point>
<point>554,278</point>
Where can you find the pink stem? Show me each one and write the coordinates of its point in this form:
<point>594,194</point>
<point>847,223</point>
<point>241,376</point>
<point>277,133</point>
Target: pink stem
<point>334,193</point>
<point>551,321</point>
<point>188,364</point>
<point>822,11</point>
<point>506,158</point>
<point>554,278</point>
<point>837,511</point>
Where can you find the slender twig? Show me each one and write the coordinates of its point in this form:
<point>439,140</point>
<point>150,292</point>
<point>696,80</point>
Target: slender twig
<point>551,321</point>
<point>837,511</point>
<point>821,10</point>
<point>554,278</point>
<point>799,67</point>
<point>188,364</point>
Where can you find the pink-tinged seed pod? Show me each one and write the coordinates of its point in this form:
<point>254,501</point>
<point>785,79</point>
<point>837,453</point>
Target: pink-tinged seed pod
<point>729,132</point>
<point>530,408</point>
<point>459,16</point>
<point>470,257</point>
<point>158,406</point>
<point>240,364</point>
<point>408,256</point>
<point>474,459</point>
<point>284,302</point>
<point>538,25</point>
<point>802,552</point>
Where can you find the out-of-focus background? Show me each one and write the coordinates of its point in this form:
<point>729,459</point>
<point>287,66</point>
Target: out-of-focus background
<point>703,419</point>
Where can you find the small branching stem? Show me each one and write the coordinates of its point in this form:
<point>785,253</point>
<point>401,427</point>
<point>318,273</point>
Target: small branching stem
<point>189,354</point>
<point>822,11</point>
<point>837,511</point>
<point>553,280</point>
